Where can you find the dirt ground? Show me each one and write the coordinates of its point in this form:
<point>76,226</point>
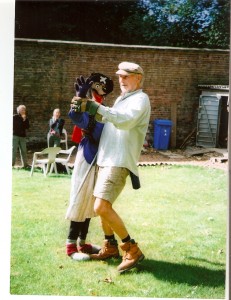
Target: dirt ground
<point>213,157</point>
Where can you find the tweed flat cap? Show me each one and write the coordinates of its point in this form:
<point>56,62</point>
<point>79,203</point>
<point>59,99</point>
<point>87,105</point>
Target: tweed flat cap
<point>127,68</point>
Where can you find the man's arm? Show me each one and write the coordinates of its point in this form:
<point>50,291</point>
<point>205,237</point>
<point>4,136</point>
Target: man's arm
<point>26,123</point>
<point>121,118</point>
<point>126,118</point>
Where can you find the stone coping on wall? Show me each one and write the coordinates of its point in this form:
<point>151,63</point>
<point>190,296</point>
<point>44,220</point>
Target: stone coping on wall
<point>120,45</point>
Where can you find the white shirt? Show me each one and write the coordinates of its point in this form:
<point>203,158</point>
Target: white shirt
<point>124,131</point>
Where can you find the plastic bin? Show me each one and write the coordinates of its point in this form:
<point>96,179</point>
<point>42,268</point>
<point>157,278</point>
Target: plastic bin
<point>162,132</point>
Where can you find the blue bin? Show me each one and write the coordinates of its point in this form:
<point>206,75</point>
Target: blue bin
<point>162,132</point>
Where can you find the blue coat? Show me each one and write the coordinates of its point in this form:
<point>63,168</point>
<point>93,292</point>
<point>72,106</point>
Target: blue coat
<point>90,141</point>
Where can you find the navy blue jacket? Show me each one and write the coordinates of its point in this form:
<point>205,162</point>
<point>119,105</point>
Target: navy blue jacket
<point>92,131</point>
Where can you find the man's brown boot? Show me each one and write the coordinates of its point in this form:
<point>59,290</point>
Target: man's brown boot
<point>109,249</point>
<point>132,255</point>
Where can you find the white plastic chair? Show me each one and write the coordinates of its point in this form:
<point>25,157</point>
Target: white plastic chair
<point>65,160</point>
<point>48,138</point>
<point>65,138</point>
<point>48,161</point>
<point>62,141</point>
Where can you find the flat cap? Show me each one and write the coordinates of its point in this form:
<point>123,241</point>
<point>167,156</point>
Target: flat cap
<point>127,68</point>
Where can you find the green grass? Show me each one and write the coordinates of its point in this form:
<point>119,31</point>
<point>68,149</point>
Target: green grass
<point>178,218</point>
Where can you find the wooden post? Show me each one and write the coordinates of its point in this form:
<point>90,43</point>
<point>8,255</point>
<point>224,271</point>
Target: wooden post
<point>174,122</point>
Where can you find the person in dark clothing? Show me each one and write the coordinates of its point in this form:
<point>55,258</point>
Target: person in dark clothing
<point>81,206</point>
<point>56,128</point>
<point>20,125</point>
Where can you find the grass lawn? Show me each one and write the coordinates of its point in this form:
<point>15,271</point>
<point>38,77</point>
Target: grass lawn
<point>178,217</point>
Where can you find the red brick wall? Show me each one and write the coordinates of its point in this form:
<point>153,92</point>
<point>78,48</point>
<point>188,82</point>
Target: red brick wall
<point>45,72</point>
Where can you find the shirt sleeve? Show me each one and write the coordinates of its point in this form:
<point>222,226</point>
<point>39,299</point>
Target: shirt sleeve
<point>26,124</point>
<point>52,123</point>
<point>61,125</point>
<point>126,119</point>
<point>79,119</point>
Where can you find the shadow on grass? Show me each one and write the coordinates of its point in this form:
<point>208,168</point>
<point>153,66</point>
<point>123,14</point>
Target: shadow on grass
<point>182,273</point>
<point>178,273</point>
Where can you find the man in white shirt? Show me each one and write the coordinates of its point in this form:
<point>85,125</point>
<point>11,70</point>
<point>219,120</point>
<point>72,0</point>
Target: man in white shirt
<point>120,145</point>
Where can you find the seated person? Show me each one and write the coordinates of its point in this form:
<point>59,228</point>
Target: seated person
<point>56,128</point>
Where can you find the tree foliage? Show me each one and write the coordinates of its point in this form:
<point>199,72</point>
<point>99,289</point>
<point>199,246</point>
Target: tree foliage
<point>182,23</point>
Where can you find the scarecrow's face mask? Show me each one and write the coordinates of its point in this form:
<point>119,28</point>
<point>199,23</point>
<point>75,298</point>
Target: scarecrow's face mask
<point>102,85</point>
<point>99,88</point>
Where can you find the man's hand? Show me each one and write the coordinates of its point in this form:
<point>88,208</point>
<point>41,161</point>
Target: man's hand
<point>23,116</point>
<point>82,86</point>
<point>84,104</point>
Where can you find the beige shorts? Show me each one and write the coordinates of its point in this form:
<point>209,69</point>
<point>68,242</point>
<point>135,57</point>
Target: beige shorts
<point>110,182</point>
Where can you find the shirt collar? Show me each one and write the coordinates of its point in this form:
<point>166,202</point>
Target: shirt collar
<point>125,95</point>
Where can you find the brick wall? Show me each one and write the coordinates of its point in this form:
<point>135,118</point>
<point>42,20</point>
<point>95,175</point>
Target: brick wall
<point>45,72</point>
